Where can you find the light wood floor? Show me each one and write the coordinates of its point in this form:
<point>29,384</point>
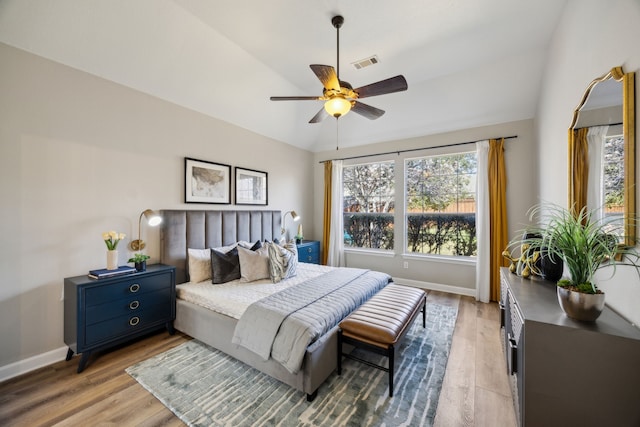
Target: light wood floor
<point>475,390</point>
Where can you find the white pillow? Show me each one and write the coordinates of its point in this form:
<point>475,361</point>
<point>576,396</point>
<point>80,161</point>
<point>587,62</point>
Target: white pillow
<point>254,265</point>
<point>283,261</point>
<point>199,264</point>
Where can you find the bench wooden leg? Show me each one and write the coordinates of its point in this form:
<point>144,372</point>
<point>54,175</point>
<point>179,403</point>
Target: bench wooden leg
<point>339,364</point>
<point>391,363</point>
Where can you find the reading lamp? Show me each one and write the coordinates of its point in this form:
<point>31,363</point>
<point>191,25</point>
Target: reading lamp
<point>153,218</point>
<point>295,217</point>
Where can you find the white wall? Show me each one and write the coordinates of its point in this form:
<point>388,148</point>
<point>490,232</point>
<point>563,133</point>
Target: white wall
<point>80,155</point>
<point>450,275</point>
<point>593,36</point>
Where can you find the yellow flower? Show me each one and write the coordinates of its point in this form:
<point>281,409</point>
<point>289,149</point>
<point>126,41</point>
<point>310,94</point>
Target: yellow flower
<point>111,239</point>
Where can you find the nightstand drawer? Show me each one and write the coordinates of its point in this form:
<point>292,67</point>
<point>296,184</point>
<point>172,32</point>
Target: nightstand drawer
<point>126,287</point>
<point>126,306</point>
<point>311,258</point>
<point>127,324</point>
<point>309,252</point>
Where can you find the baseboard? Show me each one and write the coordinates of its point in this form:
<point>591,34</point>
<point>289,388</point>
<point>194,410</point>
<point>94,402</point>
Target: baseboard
<point>436,287</point>
<point>32,363</point>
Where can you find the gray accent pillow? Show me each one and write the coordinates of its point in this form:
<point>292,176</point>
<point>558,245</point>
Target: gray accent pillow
<point>254,265</point>
<point>283,261</point>
<point>225,267</point>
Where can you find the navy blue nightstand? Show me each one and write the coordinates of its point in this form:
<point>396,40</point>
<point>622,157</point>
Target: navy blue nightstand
<point>100,313</point>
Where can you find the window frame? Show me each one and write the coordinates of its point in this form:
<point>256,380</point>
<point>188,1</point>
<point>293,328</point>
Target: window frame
<point>393,199</point>
<point>406,253</point>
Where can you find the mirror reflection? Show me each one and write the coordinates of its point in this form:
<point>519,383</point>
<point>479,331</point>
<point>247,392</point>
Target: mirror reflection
<point>601,151</point>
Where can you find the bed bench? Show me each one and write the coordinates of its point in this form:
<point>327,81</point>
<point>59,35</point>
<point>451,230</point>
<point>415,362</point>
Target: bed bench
<point>380,323</point>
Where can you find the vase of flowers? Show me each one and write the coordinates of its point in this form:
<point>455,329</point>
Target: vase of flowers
<point>111,239</point>
<point>300,235</point>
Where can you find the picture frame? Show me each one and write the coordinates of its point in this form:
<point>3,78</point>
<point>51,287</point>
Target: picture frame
<point>206,182</point>
<point>251,187</point>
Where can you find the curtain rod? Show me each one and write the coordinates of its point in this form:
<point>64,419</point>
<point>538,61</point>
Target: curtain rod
<point>415,149</point>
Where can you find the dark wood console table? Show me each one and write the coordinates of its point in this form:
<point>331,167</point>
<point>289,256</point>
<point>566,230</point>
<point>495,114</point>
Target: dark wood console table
<point>564,372</point>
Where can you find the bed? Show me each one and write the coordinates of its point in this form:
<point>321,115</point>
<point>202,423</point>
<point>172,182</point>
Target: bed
<point>182,230</point>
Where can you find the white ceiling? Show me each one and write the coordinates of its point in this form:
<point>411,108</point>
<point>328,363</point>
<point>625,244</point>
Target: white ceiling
<point>467,63</point>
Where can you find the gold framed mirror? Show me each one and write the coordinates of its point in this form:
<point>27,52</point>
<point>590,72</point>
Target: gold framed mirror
<point>603,177</point>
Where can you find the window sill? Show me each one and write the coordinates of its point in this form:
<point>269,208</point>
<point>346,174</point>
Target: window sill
<point>374,252</point>
<point>442,259</point>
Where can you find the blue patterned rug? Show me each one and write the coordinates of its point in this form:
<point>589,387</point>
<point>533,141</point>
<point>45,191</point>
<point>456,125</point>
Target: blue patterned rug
<point>205,387</point>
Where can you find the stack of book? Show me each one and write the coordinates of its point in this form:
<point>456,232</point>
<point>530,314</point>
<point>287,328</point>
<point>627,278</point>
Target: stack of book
<point>104,273</point>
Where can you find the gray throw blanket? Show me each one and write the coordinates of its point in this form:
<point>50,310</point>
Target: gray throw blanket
<point>283,325</point>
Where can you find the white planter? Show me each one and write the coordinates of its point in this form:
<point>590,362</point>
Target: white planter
<point>112,260</point>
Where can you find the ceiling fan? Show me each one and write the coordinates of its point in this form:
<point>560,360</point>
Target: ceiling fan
<point>339,96</point>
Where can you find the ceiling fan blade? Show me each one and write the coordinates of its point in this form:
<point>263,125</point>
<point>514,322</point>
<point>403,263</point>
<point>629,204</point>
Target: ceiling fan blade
<point>320,116</point>
<point>390,85</point>
<point>295,98</point>
<point>327,75</point>
<point>367,111</point>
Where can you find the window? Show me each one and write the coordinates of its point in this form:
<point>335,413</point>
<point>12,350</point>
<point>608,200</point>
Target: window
<point>368,205</point>
<point>613,181</point>
<point>441,205</point>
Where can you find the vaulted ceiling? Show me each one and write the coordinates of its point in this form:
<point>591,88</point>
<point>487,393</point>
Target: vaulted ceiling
<point>467,63</point>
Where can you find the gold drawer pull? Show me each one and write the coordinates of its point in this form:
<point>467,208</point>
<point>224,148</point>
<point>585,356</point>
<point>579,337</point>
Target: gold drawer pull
<point>134,304</point>
<point>134,321</point>
<point>134,288</point>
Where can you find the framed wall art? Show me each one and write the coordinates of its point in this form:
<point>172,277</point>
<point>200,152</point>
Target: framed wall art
<point>251,187</point>
<point>206,182</point>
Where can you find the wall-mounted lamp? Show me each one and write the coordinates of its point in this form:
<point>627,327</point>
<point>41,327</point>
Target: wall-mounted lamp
<point>295,217</point>
<point>153,218</point>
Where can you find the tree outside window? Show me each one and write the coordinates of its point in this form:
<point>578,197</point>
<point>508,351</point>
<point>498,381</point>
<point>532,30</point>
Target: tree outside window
<point>613,181</point>
<point>441,205</point>
<point>369,201</point>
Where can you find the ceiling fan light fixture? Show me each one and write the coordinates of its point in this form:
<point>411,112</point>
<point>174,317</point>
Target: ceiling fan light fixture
<point>337,106</point>
<point>339,96</point>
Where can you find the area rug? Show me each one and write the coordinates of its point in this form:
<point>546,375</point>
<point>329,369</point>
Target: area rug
<point>205,387</point>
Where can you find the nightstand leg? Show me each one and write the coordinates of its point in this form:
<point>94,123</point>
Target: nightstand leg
<point>83,361</point>
<point>170,328</point>
<point>69,354</point>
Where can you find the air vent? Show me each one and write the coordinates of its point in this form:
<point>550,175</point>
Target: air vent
<point>372,60</point>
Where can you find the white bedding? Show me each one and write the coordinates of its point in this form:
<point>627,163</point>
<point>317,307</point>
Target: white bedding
<point>233,298</point>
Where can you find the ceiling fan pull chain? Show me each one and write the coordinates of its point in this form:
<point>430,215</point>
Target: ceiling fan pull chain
<point>337,133</point>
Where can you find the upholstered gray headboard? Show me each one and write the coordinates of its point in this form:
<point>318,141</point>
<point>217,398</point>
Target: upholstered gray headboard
<point>201,229</point>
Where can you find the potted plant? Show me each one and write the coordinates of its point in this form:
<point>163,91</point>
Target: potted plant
<point>584,244</point>
<point>140,261</point>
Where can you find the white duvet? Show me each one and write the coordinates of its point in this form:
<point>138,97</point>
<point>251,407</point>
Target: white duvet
<point>233,298</point>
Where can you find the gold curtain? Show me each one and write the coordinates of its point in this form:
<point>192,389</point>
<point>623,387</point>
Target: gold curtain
<point>326,224</point>
<point>497,215</point>
<point>578,168</point>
